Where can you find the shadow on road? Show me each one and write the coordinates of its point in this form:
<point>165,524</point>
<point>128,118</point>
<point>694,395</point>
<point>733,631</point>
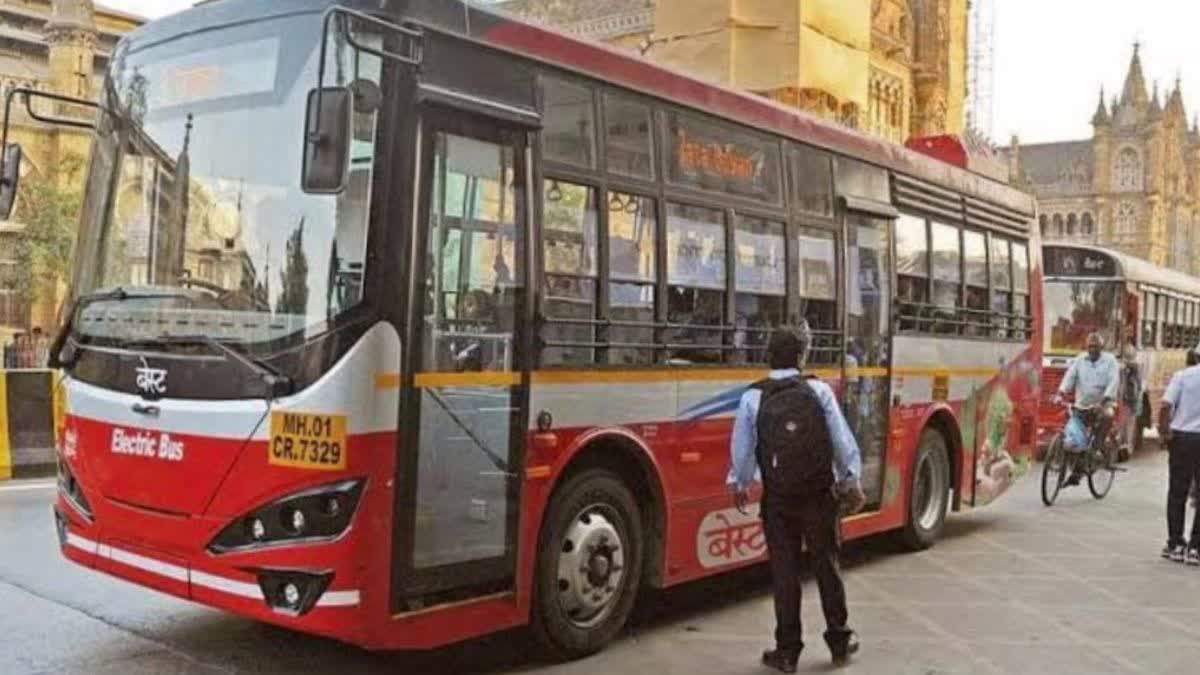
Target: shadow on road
<point>268,648</point>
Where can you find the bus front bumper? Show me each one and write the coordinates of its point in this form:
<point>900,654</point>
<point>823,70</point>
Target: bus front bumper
<point>317,601</point>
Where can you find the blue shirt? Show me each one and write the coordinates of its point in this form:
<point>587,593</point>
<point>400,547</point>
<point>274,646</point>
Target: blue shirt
<point>1183,393</point>
<point>1091,380</point>
<point>847,460</point>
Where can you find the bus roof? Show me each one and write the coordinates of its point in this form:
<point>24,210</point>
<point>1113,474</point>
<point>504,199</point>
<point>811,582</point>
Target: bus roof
<point>630,70</point>
<point>490,27</point>
<point>1140,271</point>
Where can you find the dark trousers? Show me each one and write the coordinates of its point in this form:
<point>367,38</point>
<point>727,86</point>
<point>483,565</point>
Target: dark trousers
<point>1184,470</point>
<point>815,524</point>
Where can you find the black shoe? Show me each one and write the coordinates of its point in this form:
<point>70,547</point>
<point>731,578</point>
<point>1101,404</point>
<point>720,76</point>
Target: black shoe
<point>1167,551</point>
<point>1075,478</point>
<point>843,652</point>
<point>1192,557</point>
<point>781,660</point>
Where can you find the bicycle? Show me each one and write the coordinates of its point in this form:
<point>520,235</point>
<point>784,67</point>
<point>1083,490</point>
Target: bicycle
<point>1098,462</point>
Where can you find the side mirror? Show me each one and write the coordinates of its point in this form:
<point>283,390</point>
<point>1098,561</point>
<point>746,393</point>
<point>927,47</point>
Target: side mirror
<point>326,167</point>
<point>10,179</point>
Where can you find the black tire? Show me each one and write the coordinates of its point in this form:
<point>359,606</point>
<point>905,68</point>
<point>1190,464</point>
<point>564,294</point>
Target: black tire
<point>592,506</point>
<point>929,493</point>
<point>1054,469</point>
<point>1101,477</point>
<point>1139,437</point>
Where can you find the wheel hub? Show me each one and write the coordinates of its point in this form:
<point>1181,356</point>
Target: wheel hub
<point>591,568</point>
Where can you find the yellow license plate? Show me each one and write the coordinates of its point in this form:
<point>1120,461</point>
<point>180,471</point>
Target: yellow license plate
<point>306,441</point>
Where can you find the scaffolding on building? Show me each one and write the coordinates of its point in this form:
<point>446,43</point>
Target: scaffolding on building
<point>981,62</point>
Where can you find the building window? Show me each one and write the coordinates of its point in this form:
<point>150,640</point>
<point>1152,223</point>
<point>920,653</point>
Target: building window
<point>1129,170</point>
<point>1059,228</point>
<point>1072,221</point>
<point>1127,215</point>
<point>1044,222</point>
<point>1088,227</point>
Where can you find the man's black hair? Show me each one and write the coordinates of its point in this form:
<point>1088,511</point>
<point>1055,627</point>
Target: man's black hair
<point>788,347</point>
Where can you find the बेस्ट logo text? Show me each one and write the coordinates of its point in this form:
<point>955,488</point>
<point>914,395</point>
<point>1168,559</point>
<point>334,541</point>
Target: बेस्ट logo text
<point>146,444</point>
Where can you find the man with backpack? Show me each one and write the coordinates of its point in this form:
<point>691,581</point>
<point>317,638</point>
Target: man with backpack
<point>790,430</point>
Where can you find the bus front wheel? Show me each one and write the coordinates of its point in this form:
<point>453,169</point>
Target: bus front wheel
<point>930,493</point>
<point>589,565</point>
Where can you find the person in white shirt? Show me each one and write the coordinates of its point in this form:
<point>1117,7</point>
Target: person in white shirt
<point>1179,426</point>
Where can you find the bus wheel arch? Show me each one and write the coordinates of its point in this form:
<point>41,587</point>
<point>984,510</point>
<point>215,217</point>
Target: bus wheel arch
<point>931,480</point>
<point>599,542</point>
<point>943,422</point>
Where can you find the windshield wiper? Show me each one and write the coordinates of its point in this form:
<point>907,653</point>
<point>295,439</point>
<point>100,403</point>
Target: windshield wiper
<point>277,383</point>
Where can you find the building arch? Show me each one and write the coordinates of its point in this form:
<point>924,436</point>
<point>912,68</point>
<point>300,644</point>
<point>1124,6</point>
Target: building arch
<point>1058,225</point>
<point>1087,226</point>
<point>1072,223</point>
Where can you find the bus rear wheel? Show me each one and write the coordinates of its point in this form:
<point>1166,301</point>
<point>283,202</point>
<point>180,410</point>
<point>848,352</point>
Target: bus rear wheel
<point>930,493</point>
<point>589,565</point>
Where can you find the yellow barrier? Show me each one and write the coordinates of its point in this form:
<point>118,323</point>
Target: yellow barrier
<point>32,410</point>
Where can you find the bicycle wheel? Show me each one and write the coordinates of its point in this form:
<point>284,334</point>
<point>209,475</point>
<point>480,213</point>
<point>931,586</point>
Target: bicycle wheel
<point>1054,470</point>
<point>1102,471</point>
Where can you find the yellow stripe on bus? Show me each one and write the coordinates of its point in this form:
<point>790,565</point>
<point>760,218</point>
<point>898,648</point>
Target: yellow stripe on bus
<point>551,377</point>
<point>500,379</point>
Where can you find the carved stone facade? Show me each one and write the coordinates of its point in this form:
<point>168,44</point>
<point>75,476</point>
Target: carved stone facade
<point>1134,186</point>
<point>49,45</point>
<point>893,68</point>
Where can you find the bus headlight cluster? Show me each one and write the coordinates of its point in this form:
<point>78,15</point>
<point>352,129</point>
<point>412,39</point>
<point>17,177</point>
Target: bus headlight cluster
<point>69,487</point>
<point>311,516</point>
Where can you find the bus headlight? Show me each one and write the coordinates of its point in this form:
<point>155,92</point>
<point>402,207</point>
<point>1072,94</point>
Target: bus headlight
<point>312,516</point>
<point>68,486</point>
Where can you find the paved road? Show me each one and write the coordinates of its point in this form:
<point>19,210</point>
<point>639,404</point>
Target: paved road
<point>1014,588</point>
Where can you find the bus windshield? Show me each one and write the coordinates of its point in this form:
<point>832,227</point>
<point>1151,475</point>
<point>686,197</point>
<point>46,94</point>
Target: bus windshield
<point>1076,308</point>
<point>194,220</point>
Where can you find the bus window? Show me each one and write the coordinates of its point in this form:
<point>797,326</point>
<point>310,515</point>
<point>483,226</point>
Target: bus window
<point>696,275</point>
<point>817,270</point>
<point>1021,306</point>
<point>859,179</point>
<point>1149,311</point>
<point>569,135</point>
<point>912,271</point>
<point>975,253</point>
<point>947,277</point>
<point>812,181</point>
<point>632,237</point>
<point>569,243</point>
<point>628,145</point>
<point>475,256</point>
<point>1001,267</point>
<point>761,277</point>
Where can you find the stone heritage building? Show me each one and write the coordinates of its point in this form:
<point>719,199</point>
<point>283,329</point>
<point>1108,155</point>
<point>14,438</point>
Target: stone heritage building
<point>1133,186</point>
<point>894,68</point>
<point>50,45</point>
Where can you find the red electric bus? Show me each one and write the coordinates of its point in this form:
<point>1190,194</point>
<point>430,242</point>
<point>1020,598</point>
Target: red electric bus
<point>1149,312</point>
<point>405,326</point>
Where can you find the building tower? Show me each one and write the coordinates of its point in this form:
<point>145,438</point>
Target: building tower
<point>71,35</point>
